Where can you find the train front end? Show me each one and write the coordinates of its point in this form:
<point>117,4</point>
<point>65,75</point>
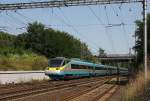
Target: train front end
<point>55,69</point>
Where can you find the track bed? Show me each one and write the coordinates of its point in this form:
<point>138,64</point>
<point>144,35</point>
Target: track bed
<point>87,89</point>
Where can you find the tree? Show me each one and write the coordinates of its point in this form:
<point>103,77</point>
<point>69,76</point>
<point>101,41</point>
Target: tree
<point>85,53</point>
<point>6,40</point>
<point>139,34</point>
<point>101,52</point>
<point>50,42</point>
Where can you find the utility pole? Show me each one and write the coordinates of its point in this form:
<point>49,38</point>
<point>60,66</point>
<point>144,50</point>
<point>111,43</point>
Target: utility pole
<point>145,36</point>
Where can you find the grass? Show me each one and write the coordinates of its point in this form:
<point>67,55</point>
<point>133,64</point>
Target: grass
<point>26,61</point>
<point>138,89</point>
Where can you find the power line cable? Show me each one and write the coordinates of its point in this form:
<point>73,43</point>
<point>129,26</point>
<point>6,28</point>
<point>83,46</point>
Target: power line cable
<point>9,20</point>
<point>106,15</point>
<point>107,32</point>
<point>123,27</point>
<point>95,15</point>
<point>62,20</point>
<point>76,29</point>
<point>25,17</point>
<point>122,24</point>
<point>15,19</point>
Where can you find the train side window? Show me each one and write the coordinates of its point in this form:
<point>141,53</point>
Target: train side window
<point>90,67</point>
<point>82,67</point>
<point>73,66</point>
<point>100,68</point>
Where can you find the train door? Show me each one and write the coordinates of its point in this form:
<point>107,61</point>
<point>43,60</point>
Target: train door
<point>93,71</point>
<point>107,71</point>
<point>110,71</point>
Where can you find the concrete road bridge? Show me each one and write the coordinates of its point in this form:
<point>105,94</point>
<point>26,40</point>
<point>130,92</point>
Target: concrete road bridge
<point>116,58</point>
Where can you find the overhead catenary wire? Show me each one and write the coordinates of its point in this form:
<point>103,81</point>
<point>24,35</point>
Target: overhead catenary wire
<point>106,15</point>
<point>66,18</point>
<point>63,21</point>
<point>16,19</point>
<point>93,43</point>
<point>110,40</point>
<point>121,24</point>
<point>123,27</point>
<point>25,17</point>
<point>104,25</point>
<point>9,20</point>
<point>98,18</point>
<point>77,32</point>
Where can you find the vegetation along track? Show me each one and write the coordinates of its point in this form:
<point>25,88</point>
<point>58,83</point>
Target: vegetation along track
<point>13,94</point>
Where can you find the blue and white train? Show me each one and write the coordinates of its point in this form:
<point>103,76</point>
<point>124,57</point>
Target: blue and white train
<point>63,68</point>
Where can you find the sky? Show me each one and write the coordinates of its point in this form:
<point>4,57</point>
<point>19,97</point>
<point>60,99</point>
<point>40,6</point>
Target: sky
<point>110,27</point>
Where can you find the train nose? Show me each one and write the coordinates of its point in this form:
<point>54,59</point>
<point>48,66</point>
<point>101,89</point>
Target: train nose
<point>47,72</point>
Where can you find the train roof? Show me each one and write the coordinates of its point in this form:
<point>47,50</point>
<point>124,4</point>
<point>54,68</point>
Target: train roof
<point>83,62</point>
<point>80,62</point>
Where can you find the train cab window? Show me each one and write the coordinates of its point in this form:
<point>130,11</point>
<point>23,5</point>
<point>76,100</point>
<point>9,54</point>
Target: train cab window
<point>64,63</point>
<point>55,63</point>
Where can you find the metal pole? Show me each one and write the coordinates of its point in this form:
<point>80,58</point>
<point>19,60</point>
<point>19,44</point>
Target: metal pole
<point>145,36</point>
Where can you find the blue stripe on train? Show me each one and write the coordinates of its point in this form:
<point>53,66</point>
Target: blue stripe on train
<point>69,74</point>
<point>74,74</point>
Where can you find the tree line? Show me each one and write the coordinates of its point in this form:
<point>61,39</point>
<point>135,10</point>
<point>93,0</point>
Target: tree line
<point>139,45</point>
<point>48,42</point>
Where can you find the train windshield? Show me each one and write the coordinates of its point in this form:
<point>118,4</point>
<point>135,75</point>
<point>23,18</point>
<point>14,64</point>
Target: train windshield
<point>55,63</point>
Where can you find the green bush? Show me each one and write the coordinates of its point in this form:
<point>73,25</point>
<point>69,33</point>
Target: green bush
<point>23,62</point>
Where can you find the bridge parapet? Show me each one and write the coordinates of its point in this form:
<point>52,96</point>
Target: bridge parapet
<point>116,57</point>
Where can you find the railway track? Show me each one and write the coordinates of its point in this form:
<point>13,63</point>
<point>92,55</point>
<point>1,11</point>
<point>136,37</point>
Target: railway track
<point>84,91</point>
<point>100,93</point>
<point>31,86</point>
<point>53,86</point>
